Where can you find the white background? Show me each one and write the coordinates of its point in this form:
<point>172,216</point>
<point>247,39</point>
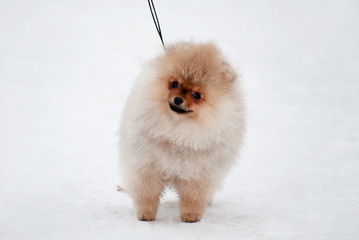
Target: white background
<point>66,68</point>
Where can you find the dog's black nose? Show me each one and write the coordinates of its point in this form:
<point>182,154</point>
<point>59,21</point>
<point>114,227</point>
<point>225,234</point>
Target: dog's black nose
<point>178,101</point>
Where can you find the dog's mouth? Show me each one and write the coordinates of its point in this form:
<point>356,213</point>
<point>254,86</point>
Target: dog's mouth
<point>178,109</point>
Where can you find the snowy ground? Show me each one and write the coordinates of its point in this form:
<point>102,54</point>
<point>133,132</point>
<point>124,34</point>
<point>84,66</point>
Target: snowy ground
<point>66,68</point>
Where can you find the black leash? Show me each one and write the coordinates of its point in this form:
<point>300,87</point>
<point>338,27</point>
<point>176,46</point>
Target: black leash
<point>155,20</point>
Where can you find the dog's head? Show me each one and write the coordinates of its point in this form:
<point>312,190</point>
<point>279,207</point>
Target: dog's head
<point>194,78</point>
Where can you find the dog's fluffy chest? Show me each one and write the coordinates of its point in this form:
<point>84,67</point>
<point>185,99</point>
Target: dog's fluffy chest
<point>184,162</point>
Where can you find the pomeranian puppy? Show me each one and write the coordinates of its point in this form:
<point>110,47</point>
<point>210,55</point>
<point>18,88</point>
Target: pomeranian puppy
<point>182,127</point>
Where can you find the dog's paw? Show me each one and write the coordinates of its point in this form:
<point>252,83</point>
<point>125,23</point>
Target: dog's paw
<point>146,216</point>
<point>191,217</point>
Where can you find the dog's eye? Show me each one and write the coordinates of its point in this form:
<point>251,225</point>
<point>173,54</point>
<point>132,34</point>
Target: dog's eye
<point>174,84</point>
<point>196,96</point>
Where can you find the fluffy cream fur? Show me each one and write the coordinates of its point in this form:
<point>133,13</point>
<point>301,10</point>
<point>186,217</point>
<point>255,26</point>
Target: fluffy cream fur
<point>191,152</point>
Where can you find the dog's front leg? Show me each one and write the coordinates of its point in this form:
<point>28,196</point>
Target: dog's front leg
<point>146,195</point>
<point>194,197</point>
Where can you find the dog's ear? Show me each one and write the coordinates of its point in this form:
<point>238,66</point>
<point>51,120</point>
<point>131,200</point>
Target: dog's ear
<point>227,71</point>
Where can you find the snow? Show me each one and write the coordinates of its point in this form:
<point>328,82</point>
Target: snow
<point>66,68</point>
